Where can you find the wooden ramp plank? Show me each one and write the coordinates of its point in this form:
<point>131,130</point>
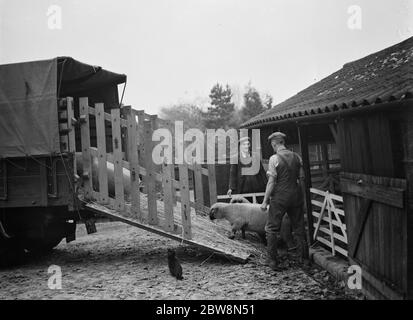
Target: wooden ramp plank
<point>206,234</point>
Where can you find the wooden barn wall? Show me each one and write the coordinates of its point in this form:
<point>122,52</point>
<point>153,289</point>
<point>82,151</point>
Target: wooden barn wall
<point>370,145</point>
<point>366,145</point>
<point>406,132</point>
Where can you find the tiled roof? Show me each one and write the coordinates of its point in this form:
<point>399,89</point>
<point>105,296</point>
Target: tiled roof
<point>383,76</point>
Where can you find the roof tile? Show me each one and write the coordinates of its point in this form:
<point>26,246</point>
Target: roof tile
<point>380,77</point>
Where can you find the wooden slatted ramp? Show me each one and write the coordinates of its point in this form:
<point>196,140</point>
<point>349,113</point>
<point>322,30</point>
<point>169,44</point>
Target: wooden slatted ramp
<point>205,233</point>
<point>117,156</point>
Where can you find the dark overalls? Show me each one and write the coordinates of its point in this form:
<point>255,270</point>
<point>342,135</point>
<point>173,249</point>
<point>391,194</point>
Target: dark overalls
<point>287,198</point>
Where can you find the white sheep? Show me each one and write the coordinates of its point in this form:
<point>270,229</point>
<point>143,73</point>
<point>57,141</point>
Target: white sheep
<point>242,216</point>
<point>246,216</point>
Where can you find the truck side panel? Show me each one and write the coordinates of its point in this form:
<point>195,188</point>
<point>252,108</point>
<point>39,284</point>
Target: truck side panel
<point>36,182</point>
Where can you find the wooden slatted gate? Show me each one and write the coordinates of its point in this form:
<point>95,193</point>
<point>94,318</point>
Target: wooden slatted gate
<point>329,221</point>
<point>110,182</point>
<point>153,177</point>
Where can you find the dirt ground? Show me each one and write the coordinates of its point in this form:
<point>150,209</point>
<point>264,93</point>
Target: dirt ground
<point>123,262</point>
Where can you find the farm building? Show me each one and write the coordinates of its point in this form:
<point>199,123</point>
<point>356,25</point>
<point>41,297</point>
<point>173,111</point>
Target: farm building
<point>354,130</point>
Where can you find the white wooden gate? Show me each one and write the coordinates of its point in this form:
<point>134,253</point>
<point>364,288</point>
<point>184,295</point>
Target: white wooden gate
<point>329,223</point>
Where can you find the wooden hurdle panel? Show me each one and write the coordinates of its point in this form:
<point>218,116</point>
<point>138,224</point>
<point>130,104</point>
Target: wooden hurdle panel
<point>118,123</point>
<point>329,228</point>
<point>163,203</point>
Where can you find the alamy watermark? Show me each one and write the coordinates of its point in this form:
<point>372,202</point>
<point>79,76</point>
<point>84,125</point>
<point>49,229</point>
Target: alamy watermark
<point>55,280</point>
<point>201,146</point>
<point>354,280</point>
<point>54,17</point>
<point>354,21</point>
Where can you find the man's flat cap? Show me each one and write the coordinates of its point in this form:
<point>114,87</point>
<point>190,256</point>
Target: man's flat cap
<point>277,135</point>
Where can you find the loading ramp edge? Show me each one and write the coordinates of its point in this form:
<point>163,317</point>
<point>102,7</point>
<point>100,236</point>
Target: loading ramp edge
<point>100,209</point>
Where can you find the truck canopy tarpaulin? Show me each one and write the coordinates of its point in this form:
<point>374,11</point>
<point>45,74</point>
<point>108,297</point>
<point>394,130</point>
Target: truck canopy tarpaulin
<point>28,101</point>
<point>28,109</point>
<point>78,77</point>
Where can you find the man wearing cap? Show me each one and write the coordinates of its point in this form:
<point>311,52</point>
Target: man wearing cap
<point>284,195</point>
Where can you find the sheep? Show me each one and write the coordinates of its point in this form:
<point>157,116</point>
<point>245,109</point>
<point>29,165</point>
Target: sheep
<point>246,216</point>
<point>242,216</point>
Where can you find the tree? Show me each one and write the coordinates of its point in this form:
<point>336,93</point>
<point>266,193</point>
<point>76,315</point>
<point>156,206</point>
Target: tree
<point>268,101</point>
<point>252,104</point>
<point>220,113</point>
<point>190,114</point>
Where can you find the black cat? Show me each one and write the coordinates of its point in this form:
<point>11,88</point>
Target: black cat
<point>174,266</point>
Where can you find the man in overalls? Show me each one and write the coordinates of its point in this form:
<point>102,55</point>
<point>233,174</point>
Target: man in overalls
<point>284,195</point>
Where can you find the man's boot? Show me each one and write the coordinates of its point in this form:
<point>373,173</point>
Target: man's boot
<point>303,251</point>
<point>287,233</point>
<point>272,259</point>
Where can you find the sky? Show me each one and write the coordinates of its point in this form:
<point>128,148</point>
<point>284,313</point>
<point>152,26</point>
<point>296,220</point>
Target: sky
<point>174,51</point>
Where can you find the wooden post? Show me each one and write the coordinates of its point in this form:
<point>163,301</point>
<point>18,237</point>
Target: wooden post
<point>324,156</point>
<point>185,202</point>
<point>334,132</point>
<point>199,192</point>
<point>212,183</point>
<point>141,134</point>
<point>167,198</point>
<point>303,140</point>
<point>85,138</point>
<point>71,134</point>
<point>172,167</point>
<point>63,133</point>
<point>141,120</point>
<point>150,176</point>
<point>102,158</point>
<point>326,168</point>
<point>133,162</point>
<point>117,160</point>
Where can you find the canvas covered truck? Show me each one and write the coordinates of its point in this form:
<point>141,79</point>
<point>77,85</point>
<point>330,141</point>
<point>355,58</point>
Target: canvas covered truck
<point>38,203</point>
<point>69,152</point>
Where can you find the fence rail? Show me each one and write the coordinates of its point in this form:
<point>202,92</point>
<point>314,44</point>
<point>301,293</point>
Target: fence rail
<point>244,195</point>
